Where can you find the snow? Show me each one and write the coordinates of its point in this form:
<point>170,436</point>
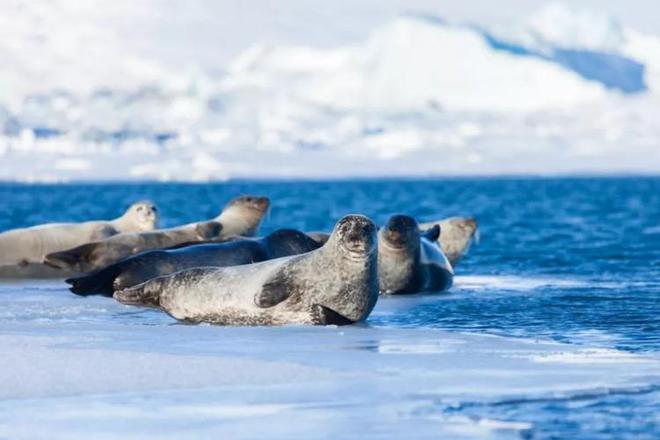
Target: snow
<point>93,366</point>
<point>566,27</point>
<point>173,93</point>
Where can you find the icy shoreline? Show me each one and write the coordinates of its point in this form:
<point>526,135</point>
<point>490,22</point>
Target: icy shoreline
<point>90,365</point>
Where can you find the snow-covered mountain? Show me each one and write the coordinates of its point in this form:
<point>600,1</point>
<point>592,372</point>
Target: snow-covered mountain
<point>561,92</point>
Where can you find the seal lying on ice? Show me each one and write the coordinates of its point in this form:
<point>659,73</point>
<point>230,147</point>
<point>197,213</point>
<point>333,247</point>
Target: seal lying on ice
<point>22,251</point>
<point>336,284</point>
<point>151,264</point>
<point>241,216</point>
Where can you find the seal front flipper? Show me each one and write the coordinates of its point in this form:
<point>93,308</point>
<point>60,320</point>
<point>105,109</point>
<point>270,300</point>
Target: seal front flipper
<point>208,230</point>
<point>103,232</point>
<point>275,291</point>
<point>325,316</point>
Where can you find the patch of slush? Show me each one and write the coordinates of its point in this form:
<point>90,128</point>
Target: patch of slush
<point>590,356</point>
<point>96,374</point>
<point>516,283</point>
<point>512,282</point>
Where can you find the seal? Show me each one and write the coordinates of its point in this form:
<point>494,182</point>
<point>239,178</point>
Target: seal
<point>151,264</point>
<point>410,261</point>
<point>241,216</point>
<point>456,235</point>
<point>455,238</point>
<point>335,284</point>
<point>22,251</point>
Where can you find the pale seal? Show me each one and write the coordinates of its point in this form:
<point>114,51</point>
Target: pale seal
<point>410,261</point>
<point>336,284</point>
<point>151,264</point>
<point>456,235</point>
<point>241,216</point>
<point>22,251</point>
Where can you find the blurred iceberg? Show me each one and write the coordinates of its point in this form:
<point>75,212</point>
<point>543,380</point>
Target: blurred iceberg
<point>90,94</point>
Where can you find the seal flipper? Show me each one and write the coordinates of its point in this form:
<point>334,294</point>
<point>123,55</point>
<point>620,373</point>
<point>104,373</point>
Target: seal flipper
<point>103,232</point>
<point>150,292</point>
<point>145,294</point>
<point>63,259</point>
<point>432,234</point>
<point>99,282</point>
<point>325,316</point>
<point>274,291</point>
<point>208,230</point>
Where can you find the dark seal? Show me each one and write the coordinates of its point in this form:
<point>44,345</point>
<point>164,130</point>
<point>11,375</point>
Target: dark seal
<point>410,261</point>
<point>151,264</point>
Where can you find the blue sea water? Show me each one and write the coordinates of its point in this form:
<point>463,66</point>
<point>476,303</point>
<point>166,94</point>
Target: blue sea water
<point>576,260</point>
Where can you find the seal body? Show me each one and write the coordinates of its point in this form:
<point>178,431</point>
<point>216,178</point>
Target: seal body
<point>241,216</point>
<point>22,251</point>
<point>335,284</point>
<point>456,235</point>
<point>410,261</point>
<point>150,264</point>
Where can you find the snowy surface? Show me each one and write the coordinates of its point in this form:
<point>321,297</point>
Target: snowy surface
<point>214,90</point>
<point>92,366</point>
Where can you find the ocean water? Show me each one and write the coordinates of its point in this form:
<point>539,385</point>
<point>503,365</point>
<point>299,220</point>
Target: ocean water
<point>552,329</point>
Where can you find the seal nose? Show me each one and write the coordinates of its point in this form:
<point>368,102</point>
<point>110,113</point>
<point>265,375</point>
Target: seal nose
<point>358,231</point>
<point>262,203</point>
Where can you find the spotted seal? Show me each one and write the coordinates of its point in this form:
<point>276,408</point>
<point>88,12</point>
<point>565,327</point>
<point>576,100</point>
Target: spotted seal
<point>151,264</point>
<point>335,284</point>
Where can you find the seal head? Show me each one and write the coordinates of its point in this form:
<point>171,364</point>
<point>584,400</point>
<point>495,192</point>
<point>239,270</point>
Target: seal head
<point>243,215</point>
<point>399,255</point>
<point>140,216</point>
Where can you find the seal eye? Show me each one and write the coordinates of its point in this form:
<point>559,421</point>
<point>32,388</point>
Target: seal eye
<point>248,199</point>
<point>154,209</point>
<point>140,208</point>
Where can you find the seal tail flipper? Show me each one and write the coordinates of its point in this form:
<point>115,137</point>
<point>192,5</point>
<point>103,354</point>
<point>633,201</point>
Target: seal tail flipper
<point>432,234</point>
<point>145,294</point>
<point>62,260</point>
<point>99,282</point>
